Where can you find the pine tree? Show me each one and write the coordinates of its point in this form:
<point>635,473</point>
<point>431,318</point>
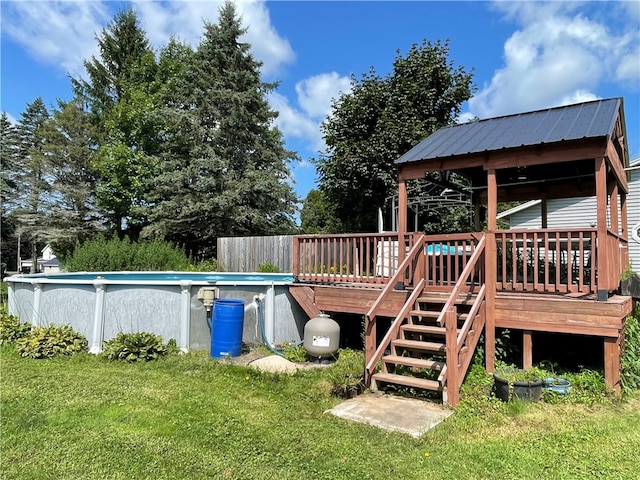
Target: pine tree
<point>235,178</point>
<point>72,213</point>
<point>8,191</point>
<point>31,182</point>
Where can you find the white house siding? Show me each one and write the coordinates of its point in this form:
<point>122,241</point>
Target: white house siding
<point>633,213</point>
<point>561,213</point>
<point>581,212</point>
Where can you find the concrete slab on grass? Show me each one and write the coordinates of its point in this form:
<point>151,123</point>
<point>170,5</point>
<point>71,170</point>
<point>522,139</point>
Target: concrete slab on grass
<point>397,414</point>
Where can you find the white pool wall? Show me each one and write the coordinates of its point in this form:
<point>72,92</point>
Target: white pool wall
<point>100,308</point>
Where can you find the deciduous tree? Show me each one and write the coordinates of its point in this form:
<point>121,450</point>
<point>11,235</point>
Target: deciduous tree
<point>378,121</point>
<point>120,94</point>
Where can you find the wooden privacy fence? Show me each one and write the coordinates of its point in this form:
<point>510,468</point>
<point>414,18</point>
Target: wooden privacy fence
<point>245,254</point>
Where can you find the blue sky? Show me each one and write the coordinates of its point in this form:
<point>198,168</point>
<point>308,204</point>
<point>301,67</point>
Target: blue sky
<point>525,55</point>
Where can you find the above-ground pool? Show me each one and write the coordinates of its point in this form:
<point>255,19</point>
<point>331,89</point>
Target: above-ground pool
<point>171,304</point>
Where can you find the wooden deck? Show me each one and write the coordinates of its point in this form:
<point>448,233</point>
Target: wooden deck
<point>543,281</point>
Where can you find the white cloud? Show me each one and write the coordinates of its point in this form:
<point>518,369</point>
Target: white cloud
<point>314,95</point>
<point>560,55</point>
<point>56,32</point>
<point>294,123</point>
<point>185,20</point>
<point>62,33</point>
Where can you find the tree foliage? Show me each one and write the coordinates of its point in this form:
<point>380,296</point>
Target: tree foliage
<point>381,119</point>
<point>120,94</point>
<point>8,192</point>
<point>180,146</point>
<point>317,215</point>
<point>226,170</point>
<point>29,176</point>
<point>72,214</point>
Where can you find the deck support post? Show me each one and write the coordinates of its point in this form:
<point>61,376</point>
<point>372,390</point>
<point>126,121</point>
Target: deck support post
<point>491,271</point>
<point>527,349</point>
<point>451,340</point>
<point>612,350</point>
<point>370,344</point>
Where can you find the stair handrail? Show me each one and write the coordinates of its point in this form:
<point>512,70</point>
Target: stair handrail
<point>475,256</point>
<point>454,339</point>
<point>475,309</point>
<point>370,316</point>
<point>400,272</point>
<point>392,332</point>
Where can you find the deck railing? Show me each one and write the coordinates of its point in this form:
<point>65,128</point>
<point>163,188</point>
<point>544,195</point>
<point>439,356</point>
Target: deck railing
<point>445,258</point>
<point>536,260</point>
<point>544,260</point>
<point>357,258</point>
<point>616,258</point>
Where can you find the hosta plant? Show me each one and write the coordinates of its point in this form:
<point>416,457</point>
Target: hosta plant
<point>47,342</point>
<point>11,329</point>
<point>135,347</point>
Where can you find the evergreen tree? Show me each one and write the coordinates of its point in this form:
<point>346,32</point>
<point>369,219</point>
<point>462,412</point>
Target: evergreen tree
<point>73,216</point>
<point>30,176</point>
<point>316,215</point>
<point>9,192</point>
<point>235,178</point>
<point>381,119</point>
<point>120,94</point>
<point>7,158</point>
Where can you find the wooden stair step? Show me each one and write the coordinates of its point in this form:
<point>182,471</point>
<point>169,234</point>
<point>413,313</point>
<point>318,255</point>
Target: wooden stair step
<point>463,298</point>
<point>425,313</point>
<point>435,347</point>
<point>414,362</point>
<point>405,380</point>
<point>424,329</point>
<point>434,314</point>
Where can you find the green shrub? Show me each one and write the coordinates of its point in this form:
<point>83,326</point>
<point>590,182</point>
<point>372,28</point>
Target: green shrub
<point>47,342</point>
<point>135,347</point>
<point>630,358</point>
<point>347,374</point>
<point>101,255</point>
<point>294,353</point>
<point>266,267</point>
<point>11,329</point>
<point>210,265</point>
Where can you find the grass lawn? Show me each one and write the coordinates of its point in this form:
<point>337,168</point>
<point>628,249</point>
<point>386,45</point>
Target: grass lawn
<point>189,417</point>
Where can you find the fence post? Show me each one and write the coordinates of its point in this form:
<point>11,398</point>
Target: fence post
<point>295,265</point>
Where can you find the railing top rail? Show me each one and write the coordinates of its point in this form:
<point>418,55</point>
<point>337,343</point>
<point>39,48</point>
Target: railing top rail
<point>449,237</point>
<point>547,230</point>
<point>347,235</point>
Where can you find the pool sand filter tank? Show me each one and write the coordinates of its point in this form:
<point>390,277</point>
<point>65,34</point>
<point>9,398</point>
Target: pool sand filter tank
<point>321,337</point>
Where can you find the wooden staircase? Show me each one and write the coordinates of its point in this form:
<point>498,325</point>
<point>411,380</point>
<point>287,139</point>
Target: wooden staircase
<point>417,357</point>
<point>431,341</point>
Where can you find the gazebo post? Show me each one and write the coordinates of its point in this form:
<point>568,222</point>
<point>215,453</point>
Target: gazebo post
<point>402,219</point>
<point>602,260</point>
<point>490,269</point>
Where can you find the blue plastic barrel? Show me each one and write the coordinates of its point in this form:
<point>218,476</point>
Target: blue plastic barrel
<point>226,327</point>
